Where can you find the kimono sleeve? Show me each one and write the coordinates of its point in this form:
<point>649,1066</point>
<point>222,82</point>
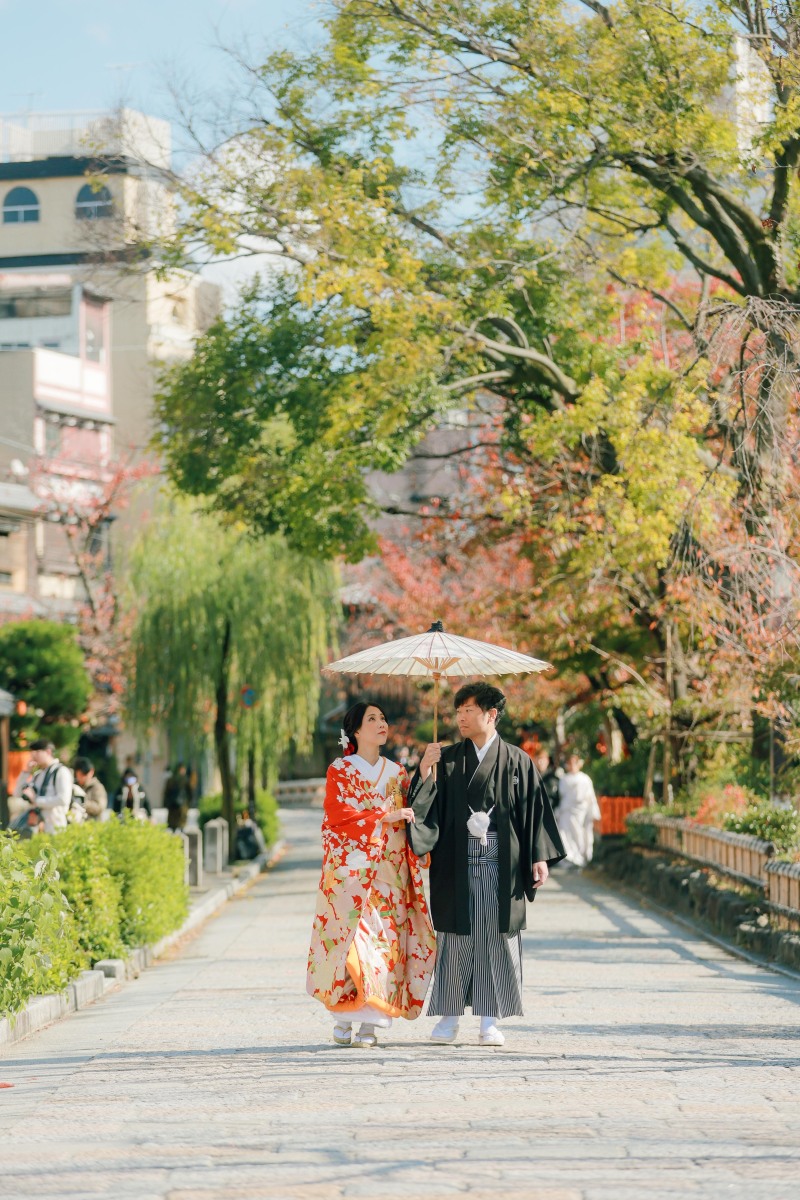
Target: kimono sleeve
<point>542,839</point>
<point>354,824</point>
<point>423,797</point>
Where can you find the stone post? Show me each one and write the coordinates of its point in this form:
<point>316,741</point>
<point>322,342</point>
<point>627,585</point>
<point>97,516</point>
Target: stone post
<point>194,844</point>
<point>216,844</point>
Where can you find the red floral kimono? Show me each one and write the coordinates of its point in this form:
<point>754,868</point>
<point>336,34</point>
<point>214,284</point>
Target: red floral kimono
<point>372,940</point>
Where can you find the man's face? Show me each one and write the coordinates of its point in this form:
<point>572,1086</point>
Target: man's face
<point>542,762</point>
<point>41,758</point>
<point>83,777</point>
<point>473,722</point>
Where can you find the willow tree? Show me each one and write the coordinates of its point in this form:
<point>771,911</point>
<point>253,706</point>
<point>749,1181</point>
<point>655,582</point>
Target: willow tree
<point>214,612</point>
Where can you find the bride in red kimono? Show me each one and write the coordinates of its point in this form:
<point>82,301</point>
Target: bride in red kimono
<point>372,944</point>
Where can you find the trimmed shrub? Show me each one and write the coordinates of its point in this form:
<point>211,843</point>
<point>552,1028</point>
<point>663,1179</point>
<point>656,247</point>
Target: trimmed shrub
<point>768,822</point>
<point>147,861</point>
<point>85,893</point>
<point>39,951</point>
<point>92,892</point>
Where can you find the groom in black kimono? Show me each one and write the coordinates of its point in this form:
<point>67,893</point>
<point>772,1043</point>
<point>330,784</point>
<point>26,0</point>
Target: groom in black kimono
<point>487,823</point>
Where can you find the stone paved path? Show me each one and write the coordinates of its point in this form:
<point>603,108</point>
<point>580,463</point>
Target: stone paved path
<point>650,1064</point>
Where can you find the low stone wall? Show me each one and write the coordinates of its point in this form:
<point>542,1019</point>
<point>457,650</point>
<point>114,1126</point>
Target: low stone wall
<point>695,892</point>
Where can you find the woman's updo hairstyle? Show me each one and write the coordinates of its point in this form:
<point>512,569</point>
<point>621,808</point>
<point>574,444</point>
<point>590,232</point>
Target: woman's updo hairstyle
<point>353,720</point>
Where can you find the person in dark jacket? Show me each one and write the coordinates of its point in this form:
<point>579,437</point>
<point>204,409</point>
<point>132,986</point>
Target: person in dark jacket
<point>487,822</point>
<point>549,776</point>
<point>177,797</point>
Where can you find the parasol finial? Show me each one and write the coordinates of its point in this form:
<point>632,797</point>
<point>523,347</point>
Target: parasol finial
<point>436,627</point>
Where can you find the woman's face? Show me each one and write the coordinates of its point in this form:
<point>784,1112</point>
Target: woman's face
<point>374,728</point>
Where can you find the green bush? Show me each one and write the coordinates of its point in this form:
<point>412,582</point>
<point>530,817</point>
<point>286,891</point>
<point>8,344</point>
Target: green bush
<point>92,892</point>
<point>84,893</point>
<point>766,821</point>
<point>626,778</point>
<point>147,861</point>
<point>639,828</point>
<point>210,807</point>
<point>39,951</point>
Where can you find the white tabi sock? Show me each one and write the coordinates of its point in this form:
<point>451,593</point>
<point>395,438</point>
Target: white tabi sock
<point>447,1025</point>
<point>487,1024</point>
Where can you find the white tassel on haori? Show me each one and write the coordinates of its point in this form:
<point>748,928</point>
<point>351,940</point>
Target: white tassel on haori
<point>479,823</point>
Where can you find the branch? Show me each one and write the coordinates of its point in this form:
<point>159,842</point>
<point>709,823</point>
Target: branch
<point>453,453</point>
<point>640,287</point>
<point>473,380</point>
<point>715,464</point>
<point>601,11</point>
<point>563,383</point>
<point>705,268</point>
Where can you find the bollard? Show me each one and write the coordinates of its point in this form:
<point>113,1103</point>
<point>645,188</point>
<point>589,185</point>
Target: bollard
<point>194,844</point>
<point>159,816</point>
<point>216,845</point>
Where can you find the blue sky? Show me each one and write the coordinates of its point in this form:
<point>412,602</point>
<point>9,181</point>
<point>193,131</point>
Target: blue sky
<point>64,54</point>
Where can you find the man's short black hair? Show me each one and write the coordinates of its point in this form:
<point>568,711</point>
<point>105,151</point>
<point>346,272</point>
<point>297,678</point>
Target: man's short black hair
<point>42,744</point>
<point>484,694</point>
<point>84,765</point>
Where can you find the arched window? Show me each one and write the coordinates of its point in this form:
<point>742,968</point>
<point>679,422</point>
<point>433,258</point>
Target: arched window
<point>93,203</point>
<point>21,204</point>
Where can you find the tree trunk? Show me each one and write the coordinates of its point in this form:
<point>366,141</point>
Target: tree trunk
<point>251,781</point>
<point>222,739</point>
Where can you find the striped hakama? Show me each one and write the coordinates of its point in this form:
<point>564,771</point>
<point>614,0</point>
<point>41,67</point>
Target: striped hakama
<point>481,970</point>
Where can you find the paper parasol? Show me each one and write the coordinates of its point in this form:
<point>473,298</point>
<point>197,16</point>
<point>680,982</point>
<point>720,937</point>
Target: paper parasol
<point>434,654</point>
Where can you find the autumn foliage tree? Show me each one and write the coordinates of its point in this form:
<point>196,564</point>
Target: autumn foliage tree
<point>589,211</point>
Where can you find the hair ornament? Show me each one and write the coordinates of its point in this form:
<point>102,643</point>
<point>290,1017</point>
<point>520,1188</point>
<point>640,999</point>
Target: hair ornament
<point>344,740</point>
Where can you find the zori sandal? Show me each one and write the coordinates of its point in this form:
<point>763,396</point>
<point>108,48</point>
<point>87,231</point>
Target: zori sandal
<point>343,1034</point>
<point>365,1039</point>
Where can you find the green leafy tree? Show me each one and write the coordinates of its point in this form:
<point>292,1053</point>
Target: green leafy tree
<point>216,611</point>
<point>475,195</point>
<point>42,664</point>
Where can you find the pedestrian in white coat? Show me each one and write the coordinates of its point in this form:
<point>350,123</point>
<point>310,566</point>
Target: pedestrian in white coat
<point>50,789</point>
<point>577,812</point>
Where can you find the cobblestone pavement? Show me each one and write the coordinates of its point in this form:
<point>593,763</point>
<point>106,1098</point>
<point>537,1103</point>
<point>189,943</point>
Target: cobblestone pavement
<point>650,1064</point>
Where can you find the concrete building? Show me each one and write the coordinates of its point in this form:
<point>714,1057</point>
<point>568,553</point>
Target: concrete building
<point>56,435</point>
<point>87,196</point>
<point>86,321</point>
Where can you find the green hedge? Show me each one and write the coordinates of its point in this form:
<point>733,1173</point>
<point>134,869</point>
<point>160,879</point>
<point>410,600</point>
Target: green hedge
<point>148,863</point>
<point>88,892</point>
<point>39,951</point>
<point>768,822</point>
<point>266,813</point>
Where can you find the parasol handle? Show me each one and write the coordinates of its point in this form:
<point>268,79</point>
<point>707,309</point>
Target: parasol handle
<point>435,714</point>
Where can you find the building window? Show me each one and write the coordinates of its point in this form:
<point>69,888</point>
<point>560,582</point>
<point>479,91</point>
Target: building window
<point>93,202</point>
<point>42,304</point>
<point>20,205</point>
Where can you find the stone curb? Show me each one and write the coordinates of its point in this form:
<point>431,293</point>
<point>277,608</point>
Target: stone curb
<point>89,986</point>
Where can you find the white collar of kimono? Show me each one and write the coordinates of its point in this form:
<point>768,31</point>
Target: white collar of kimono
<point>484,750</point>
<point>371,771</point>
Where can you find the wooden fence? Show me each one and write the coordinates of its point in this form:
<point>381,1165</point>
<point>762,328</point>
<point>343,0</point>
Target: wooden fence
<point>747,859</point>
<point>783,892</point>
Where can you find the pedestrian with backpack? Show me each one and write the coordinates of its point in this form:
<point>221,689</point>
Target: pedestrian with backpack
<point>49,787</point>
